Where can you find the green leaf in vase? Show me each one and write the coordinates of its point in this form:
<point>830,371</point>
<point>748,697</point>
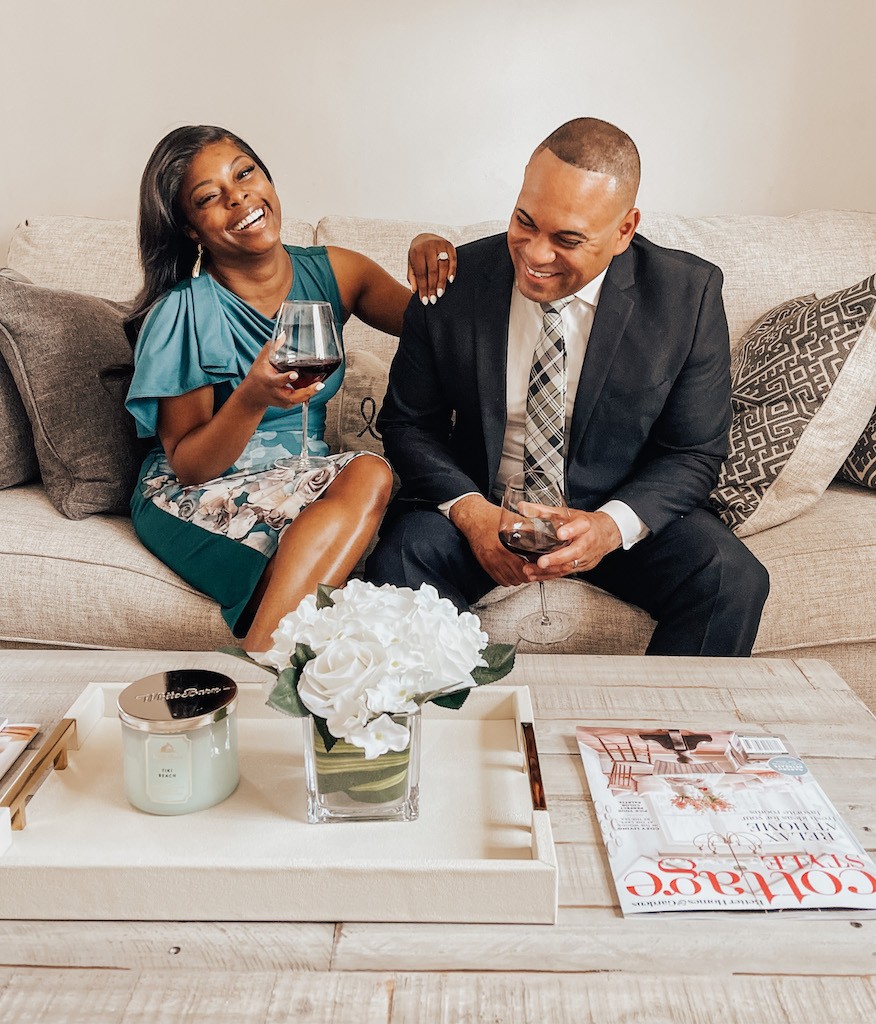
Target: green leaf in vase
<point>239,652</point>
<point>284,696</point>
<point>321,726</point>
<point>454,701</point>
<point>500,661</point>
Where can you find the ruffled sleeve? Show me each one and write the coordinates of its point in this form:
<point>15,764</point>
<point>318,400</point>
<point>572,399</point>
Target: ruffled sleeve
<point>185,343</point>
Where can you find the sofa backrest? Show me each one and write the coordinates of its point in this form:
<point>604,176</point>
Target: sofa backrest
<point>99,257</point>
<point>765,260</point>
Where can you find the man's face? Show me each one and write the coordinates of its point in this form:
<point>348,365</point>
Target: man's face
<point>566,227</point>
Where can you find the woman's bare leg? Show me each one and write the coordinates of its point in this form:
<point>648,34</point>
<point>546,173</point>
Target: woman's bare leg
<point>323,545</point>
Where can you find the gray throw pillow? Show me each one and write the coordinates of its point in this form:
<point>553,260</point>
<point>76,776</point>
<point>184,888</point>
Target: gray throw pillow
<point>18,461</point>
<point>804,387</point>
<point>860,466</point>
<point>56,345</point>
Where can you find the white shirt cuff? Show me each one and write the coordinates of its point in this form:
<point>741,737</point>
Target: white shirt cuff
<point>446,506</point>
<point>632,529</point>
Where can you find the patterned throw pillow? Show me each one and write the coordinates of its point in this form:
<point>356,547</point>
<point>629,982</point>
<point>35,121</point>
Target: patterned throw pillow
<point>860,466</point>
<point>804,387</point>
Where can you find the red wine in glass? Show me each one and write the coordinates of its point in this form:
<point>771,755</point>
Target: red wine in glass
<point>531,538</point>
<point>305,340</point>
<point>310,371</point>
<point>533,509</point>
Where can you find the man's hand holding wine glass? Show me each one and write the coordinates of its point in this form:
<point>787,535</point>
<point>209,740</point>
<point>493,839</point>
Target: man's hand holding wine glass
<point>478,520</point>
<point>590,536</point>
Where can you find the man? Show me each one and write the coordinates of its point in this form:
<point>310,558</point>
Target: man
<point>572,310</point>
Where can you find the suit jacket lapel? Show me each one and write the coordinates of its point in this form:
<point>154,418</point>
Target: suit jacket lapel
<point>491,358</point>
<point>612,314</point>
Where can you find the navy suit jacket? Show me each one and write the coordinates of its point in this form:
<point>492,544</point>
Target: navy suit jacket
<point>652,410</point>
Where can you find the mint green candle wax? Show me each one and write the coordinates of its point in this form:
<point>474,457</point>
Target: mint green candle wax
<point>179,740</point>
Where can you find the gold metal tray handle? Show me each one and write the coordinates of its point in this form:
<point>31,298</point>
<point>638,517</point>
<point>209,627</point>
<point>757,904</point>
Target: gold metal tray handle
<point>536,788</point>
<point>30,777</point>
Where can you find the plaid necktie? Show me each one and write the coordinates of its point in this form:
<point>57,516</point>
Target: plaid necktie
<point>546,398</point>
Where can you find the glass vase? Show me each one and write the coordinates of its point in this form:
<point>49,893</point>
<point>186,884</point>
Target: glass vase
<point>342,785</point>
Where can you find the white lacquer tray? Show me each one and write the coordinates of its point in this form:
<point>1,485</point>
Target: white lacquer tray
<point>481,851</point>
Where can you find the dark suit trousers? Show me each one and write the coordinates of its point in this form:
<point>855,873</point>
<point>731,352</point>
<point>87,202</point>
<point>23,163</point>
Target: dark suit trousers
<point>701,585</point>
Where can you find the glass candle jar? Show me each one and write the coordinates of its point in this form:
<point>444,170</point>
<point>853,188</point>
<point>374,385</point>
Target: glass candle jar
<point>179,740</point>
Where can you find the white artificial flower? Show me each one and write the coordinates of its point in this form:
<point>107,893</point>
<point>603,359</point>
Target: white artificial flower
<point>339,674</point>
<point>377,651</point>
<point>394,695</point>
<point>453,650</point>
<point>288,635</point>
<point>379,736</point>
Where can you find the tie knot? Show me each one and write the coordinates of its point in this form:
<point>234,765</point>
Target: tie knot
<point>557,306</point>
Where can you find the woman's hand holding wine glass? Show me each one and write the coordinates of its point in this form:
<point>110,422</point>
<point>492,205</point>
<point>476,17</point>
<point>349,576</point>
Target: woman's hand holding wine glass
<point>307,348</point>
<point>264,386</point>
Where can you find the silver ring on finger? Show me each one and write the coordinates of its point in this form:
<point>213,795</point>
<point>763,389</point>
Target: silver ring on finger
<point>575,563</point>
<point>443,255</point>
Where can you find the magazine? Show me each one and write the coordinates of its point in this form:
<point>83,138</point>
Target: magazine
<point>712,820</point>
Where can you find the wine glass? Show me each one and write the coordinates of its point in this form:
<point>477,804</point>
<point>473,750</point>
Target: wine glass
<point>531,532</point>
<point>304,339</point>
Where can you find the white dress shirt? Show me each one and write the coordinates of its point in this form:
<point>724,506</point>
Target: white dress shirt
<point>524,330</point>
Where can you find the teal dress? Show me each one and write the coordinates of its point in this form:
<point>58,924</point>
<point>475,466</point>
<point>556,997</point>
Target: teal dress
<point>220,534</point>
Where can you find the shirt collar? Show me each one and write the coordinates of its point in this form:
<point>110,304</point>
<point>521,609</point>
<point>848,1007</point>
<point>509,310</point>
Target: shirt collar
<point>592,290</point>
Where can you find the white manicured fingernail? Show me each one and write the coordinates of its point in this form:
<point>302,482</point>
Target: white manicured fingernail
<point>450,278</point>
<point>440,292</point>
<point>425,300</point>
<point>432,299</point>
<point>320,386</point>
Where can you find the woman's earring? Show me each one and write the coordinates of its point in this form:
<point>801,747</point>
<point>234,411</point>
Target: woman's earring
<point>196,269</point>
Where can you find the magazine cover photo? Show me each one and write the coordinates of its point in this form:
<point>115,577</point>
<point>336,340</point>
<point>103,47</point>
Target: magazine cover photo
<point>717,820</point>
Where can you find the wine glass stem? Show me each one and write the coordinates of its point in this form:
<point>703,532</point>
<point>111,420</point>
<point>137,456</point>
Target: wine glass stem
<point>545,618</point>
<point>304,433</point>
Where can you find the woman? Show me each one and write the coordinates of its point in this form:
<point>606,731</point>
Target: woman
<point>212,502</point>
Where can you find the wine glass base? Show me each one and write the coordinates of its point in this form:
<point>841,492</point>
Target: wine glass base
<point>534,630</point>
<point>303,463</point>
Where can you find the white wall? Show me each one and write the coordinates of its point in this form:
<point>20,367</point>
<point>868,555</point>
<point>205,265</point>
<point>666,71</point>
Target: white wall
<point>427,109</point>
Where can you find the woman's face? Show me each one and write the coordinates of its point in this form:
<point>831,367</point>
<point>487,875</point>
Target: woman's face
<point>231,207</point>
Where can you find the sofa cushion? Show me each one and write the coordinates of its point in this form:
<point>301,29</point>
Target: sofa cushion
<point>804,386</point>
<point>860,466</point>
<point>350,418</point>
<point>56,344</point>
<point>766,259</point>
<point>87,254</point>
<point>92,584</point>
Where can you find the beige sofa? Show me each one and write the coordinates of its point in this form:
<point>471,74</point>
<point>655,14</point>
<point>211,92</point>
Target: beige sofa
<point>89,583</point>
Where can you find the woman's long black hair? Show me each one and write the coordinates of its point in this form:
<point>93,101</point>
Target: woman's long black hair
<point>167,254</point>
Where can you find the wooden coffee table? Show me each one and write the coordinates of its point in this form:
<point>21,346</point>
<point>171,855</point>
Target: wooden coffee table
<point>592,965</point>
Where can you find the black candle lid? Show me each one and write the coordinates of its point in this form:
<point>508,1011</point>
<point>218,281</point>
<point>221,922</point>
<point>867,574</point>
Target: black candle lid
<point>177,701</point>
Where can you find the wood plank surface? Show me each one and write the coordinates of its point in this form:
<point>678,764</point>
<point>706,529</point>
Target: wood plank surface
<point>599,939</point>
<point>162,945</point>
<point>226,997</point>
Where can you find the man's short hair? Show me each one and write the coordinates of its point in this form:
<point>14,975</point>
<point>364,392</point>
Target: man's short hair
<point>598,146</point>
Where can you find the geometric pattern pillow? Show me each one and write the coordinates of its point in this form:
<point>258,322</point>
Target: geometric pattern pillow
<point>860,466</point>
<point>58,345</point>
<point>804,387</point>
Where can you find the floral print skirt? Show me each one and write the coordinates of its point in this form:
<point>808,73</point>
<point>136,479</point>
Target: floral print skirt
<point>220,534</point>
